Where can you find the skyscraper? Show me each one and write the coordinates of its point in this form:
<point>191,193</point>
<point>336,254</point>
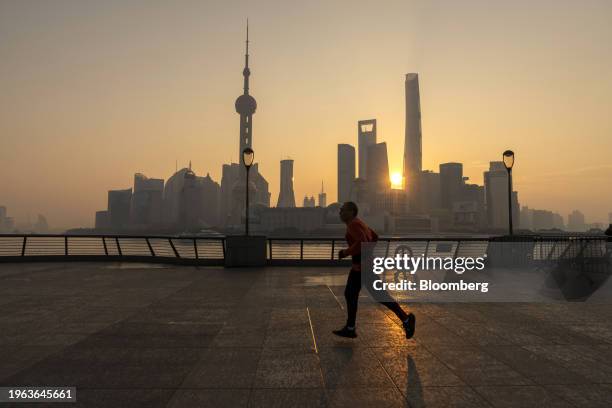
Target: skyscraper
<point>576,221</point>
<point>147,201</point>
<point>412,141</point>
<point>322,197</point>
<point>286,197</point>
<point>377,175</point>
<point>119,203</point>
<point>366,136</point>
<point>346,171</point>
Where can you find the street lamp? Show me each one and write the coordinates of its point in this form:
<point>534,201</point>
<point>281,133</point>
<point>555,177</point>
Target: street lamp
<point>508,157</point>
<point>248,155</point>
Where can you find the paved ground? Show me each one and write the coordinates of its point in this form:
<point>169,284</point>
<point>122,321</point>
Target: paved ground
<point>155,336</point>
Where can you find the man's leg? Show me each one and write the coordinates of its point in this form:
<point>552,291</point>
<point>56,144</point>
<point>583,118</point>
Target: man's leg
<point>384,298</point>
<point>397,309</point>
<point>351,294</point>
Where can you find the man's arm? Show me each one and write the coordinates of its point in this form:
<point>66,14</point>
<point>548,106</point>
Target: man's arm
<point>355,248</point>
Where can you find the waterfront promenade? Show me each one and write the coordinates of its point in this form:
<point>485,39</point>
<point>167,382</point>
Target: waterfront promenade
<point>128,334</point>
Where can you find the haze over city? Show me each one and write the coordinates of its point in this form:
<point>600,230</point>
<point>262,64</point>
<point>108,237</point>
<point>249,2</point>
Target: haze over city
<point>96,92</point>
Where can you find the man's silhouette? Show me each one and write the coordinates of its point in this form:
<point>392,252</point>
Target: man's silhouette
<point>356,233</point>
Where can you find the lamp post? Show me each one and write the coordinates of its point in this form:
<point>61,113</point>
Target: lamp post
<point>508,157</point>
<point>248,155</point>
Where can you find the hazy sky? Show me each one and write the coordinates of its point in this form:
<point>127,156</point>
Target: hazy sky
<point>94,91</point>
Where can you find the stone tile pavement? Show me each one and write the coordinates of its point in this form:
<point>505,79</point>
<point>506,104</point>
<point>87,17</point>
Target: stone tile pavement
<point>136,335</point>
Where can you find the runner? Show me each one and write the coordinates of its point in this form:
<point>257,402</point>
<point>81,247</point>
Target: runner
<point>356,233</point>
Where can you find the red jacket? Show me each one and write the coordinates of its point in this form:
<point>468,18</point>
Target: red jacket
<point>357,232</point>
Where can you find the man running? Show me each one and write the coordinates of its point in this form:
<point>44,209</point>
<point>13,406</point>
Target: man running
<point>356,233</point>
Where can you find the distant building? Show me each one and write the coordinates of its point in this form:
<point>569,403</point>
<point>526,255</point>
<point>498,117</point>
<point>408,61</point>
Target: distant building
<point>317,220</point>
<point>410,224</point>
<point>233,193</point>
<point>377,174</point>
<point>360,195</point>
<point>430,191</point>
<point>41,226</point>
<point>305,219</point>
<point>147,201</point>
<point>119,208</point>
<point>102,220</point>
<point>172,198</point>
<point>322,197</point>
<point>558,222</point>
<point>286,197</point>
<point>468,209</point>
<point>466,215</point>
<point>391,202</point>
<point>366,137</point>
<point>346,171</point>
<point>191,203</point>
<point>576,222</point>
<point>309,202</point>
<point>212,198</point>
<point>451,182</point>
<point>543,220</point>
<point>7,224</point>
<point>526,217</point>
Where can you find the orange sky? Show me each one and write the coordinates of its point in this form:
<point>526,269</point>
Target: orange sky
<point>93,92</point>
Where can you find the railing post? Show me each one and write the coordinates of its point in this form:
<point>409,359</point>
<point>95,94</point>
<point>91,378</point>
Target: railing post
<point>23,246</point>
<point>173,248</point>
<point>223,247</point>
<point>301,249</point>
<point>105,248</point>
<point>456,250</point>
<point>150,247</point>
<point>118,246</point>
<point>333,249</point>
<point>270,246</point>
<point>426,248</point>
<point>195,248</point>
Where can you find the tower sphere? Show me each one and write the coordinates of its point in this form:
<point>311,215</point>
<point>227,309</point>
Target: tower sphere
<point>246,105</point>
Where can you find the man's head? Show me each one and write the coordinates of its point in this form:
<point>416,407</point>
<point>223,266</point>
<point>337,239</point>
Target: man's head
<point>348,211</point>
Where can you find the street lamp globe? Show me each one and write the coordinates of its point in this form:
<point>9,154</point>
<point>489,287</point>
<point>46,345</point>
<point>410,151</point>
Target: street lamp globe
<point>248,155</point>
<point>508,159</point>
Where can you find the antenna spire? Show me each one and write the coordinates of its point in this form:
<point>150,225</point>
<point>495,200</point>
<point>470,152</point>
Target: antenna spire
<point>246,71</point>
<point>247,41</point>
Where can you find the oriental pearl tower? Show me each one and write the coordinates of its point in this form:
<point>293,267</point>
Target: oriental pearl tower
<point>246,106</point>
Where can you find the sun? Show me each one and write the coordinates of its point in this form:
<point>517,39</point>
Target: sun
<point>396,179</point>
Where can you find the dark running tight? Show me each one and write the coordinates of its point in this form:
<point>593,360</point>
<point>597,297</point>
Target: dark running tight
<point>351,294</point>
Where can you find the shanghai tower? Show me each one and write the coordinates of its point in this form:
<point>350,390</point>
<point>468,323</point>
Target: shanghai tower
<point>412,142</point>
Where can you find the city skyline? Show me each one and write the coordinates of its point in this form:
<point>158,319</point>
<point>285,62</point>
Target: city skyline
<point>57,134</point>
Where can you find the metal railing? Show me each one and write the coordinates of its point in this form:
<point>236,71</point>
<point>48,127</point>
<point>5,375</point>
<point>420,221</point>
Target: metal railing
<point>511,251</point>
<point>194,250</point>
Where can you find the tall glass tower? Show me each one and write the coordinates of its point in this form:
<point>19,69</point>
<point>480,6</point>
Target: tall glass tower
<point>412,142</point>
